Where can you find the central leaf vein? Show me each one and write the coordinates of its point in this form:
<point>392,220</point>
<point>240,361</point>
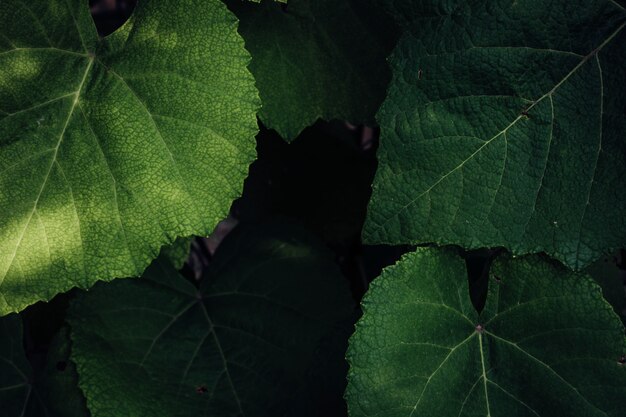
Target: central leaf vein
<point>548,94</point>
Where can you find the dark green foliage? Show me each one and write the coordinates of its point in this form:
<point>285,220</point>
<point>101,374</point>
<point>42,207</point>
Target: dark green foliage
<point>504,126</point>
<point>317,59</point>
<point>502,133</point>
<point>49,390</point>
<point>262,334</point>
<point>546,343</point>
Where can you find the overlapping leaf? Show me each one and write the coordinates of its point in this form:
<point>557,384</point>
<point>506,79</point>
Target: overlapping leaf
<point>504,126</point>
<point>546,344</point>
<point>111,148</point>
<point>260,335</point>
<point>317,59</point>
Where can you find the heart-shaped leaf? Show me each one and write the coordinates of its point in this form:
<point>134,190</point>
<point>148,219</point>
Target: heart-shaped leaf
<point>546,343</point>
<point>260,335</point>
<point>110,148</point>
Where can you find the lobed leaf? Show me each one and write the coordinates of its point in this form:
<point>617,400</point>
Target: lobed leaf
<point>111,148</point>
<point>546,343</point>
<point>258,338</point>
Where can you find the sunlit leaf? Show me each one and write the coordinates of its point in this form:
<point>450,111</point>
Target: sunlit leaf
<point>110,148</point>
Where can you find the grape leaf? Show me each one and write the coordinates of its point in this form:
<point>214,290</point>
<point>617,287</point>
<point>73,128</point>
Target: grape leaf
<point>111,148</point>
<point>504,126</point>
<point>317,59</point>
<point>546,343</point>
<point>243,343</point>
<point>51,392</point>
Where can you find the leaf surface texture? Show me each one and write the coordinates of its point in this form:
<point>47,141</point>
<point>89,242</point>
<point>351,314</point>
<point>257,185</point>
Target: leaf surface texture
<point>546,343</point>
<point>111,148</point>
<point>504,126</point>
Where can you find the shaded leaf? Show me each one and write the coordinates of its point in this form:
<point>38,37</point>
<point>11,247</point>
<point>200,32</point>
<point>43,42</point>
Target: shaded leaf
<point>110,148</point>
<point>546,343</point>
<point>503,126</point>
<point>317,59</point>
<point>247,342</point>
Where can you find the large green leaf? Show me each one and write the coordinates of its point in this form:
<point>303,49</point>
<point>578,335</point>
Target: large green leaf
<point>24,392</point>
<point>546,343</point>
<point>246,343</point>
<point>504,126</point>
<point>111,148</point>
<point>317,59</point>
